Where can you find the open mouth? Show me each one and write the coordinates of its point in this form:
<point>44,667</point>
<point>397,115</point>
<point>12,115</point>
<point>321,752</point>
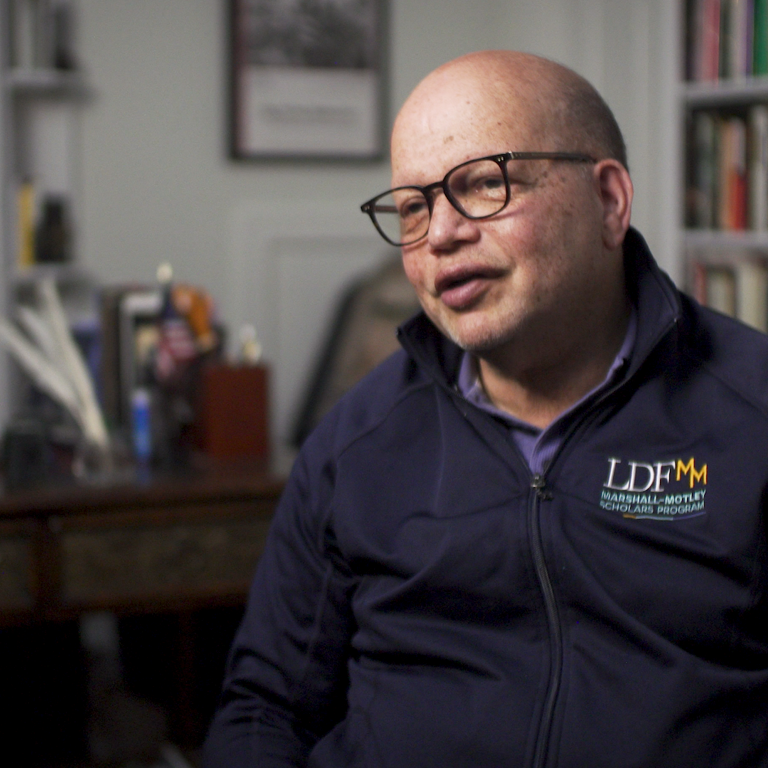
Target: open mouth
<point>452,279</point>
<point>460,288</point>
<point>458,282</point>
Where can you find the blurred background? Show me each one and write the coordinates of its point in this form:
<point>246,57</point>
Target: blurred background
<point>117,607</point>
<point>276,242</point>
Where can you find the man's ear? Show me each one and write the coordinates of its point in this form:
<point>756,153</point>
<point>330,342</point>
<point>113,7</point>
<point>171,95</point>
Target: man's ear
<point>615,190</point>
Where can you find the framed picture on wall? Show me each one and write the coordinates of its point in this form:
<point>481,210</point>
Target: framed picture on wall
<point>308,79</point>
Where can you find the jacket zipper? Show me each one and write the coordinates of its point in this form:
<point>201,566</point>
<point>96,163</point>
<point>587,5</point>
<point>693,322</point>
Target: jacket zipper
<point>538,484</point>
<point>541,493</point>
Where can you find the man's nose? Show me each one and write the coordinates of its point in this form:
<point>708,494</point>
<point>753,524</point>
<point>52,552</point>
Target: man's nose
<point>447,225</point>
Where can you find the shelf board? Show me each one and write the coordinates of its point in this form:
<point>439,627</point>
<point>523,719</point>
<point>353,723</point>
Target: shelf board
<point>725,92</point>
<point>61,273</point>
<point>46,82</point>
<point>721,240</point>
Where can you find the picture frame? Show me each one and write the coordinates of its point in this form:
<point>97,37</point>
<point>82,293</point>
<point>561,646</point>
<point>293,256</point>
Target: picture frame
<point>307,79</point>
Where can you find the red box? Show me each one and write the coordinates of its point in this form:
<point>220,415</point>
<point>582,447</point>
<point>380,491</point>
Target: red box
<point>233,411</point>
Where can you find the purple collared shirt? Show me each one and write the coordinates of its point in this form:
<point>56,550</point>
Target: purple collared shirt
<point>538,446</point>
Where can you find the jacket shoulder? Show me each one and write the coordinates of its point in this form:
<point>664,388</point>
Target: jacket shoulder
<point>368,403</point>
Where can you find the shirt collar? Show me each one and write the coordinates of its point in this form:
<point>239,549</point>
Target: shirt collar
<point>471,388</point>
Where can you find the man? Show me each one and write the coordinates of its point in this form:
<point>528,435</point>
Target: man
<point>536,536</point>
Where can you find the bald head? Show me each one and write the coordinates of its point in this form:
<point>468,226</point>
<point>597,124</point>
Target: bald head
<point>504,89</point>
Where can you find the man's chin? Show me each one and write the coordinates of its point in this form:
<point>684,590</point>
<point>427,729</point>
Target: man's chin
<point>477,330</point>
<point>477,339</point>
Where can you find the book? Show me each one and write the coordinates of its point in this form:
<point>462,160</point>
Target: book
<point>751,277</point>
<point>691,26</point>
<point>758,167</point>
<point>22,36</point>
<point>699,282</point>
<point>750,37</point>
<point>727,184</point>
<point>721,289</point>
<point>760,38</point>
<point>739,38</point>
<point>703,194</point>
<point>704,35</point>
<point>710,40</point>
<point>112,373</point>
<point>26,224</point>
<point>726,40</point>
<point>732,174</point>
<point>737,179</point>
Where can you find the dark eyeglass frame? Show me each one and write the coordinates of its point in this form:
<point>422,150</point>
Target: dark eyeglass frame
<point>428,191</point>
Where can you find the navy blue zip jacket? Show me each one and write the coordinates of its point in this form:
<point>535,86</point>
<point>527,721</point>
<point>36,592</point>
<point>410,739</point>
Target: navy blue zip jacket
<point>424,602</point>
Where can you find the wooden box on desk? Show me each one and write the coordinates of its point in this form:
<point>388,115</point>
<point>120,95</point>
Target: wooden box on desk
<point>232,419</point>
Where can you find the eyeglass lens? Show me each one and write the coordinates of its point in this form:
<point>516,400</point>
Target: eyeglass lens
<point>476,189</point>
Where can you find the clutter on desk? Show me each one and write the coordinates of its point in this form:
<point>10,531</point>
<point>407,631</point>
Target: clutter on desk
<point>177,338</point>
<point>154,393</point>
<point>232,411</point>
<point>155,341</point>
<point>43,346</point>
<point>166,381</point>
<point>250,350</point>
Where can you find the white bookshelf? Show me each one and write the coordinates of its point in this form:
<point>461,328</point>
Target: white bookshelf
<point>715,246</point>
<point>40,114</point>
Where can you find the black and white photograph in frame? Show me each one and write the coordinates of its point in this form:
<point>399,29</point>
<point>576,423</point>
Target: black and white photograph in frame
<point>307,79</point>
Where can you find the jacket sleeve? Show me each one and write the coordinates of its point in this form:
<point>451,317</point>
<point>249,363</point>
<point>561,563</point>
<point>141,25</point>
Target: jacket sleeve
<point>286,679</point>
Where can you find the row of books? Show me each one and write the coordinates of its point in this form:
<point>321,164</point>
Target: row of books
<point>727,169</point>
<point>738,289</point>
<point>41,34</point>
<point>726,39</point>
<point>44,228</point>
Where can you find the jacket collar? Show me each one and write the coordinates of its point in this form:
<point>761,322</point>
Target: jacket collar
<point>653,294</point>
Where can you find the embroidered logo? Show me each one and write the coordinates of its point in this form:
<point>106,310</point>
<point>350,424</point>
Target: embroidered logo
<point>664,490</point>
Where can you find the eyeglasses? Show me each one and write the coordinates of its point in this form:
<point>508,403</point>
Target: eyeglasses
<point>477,189</point>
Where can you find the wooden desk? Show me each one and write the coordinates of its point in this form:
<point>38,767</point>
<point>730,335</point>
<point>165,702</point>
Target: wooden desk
<point>175,543</point>
<point>173,546</point>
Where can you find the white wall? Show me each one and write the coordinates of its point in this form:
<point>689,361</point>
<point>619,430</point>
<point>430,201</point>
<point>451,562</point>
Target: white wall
<point>629,50</point>
<point>273,242</point>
